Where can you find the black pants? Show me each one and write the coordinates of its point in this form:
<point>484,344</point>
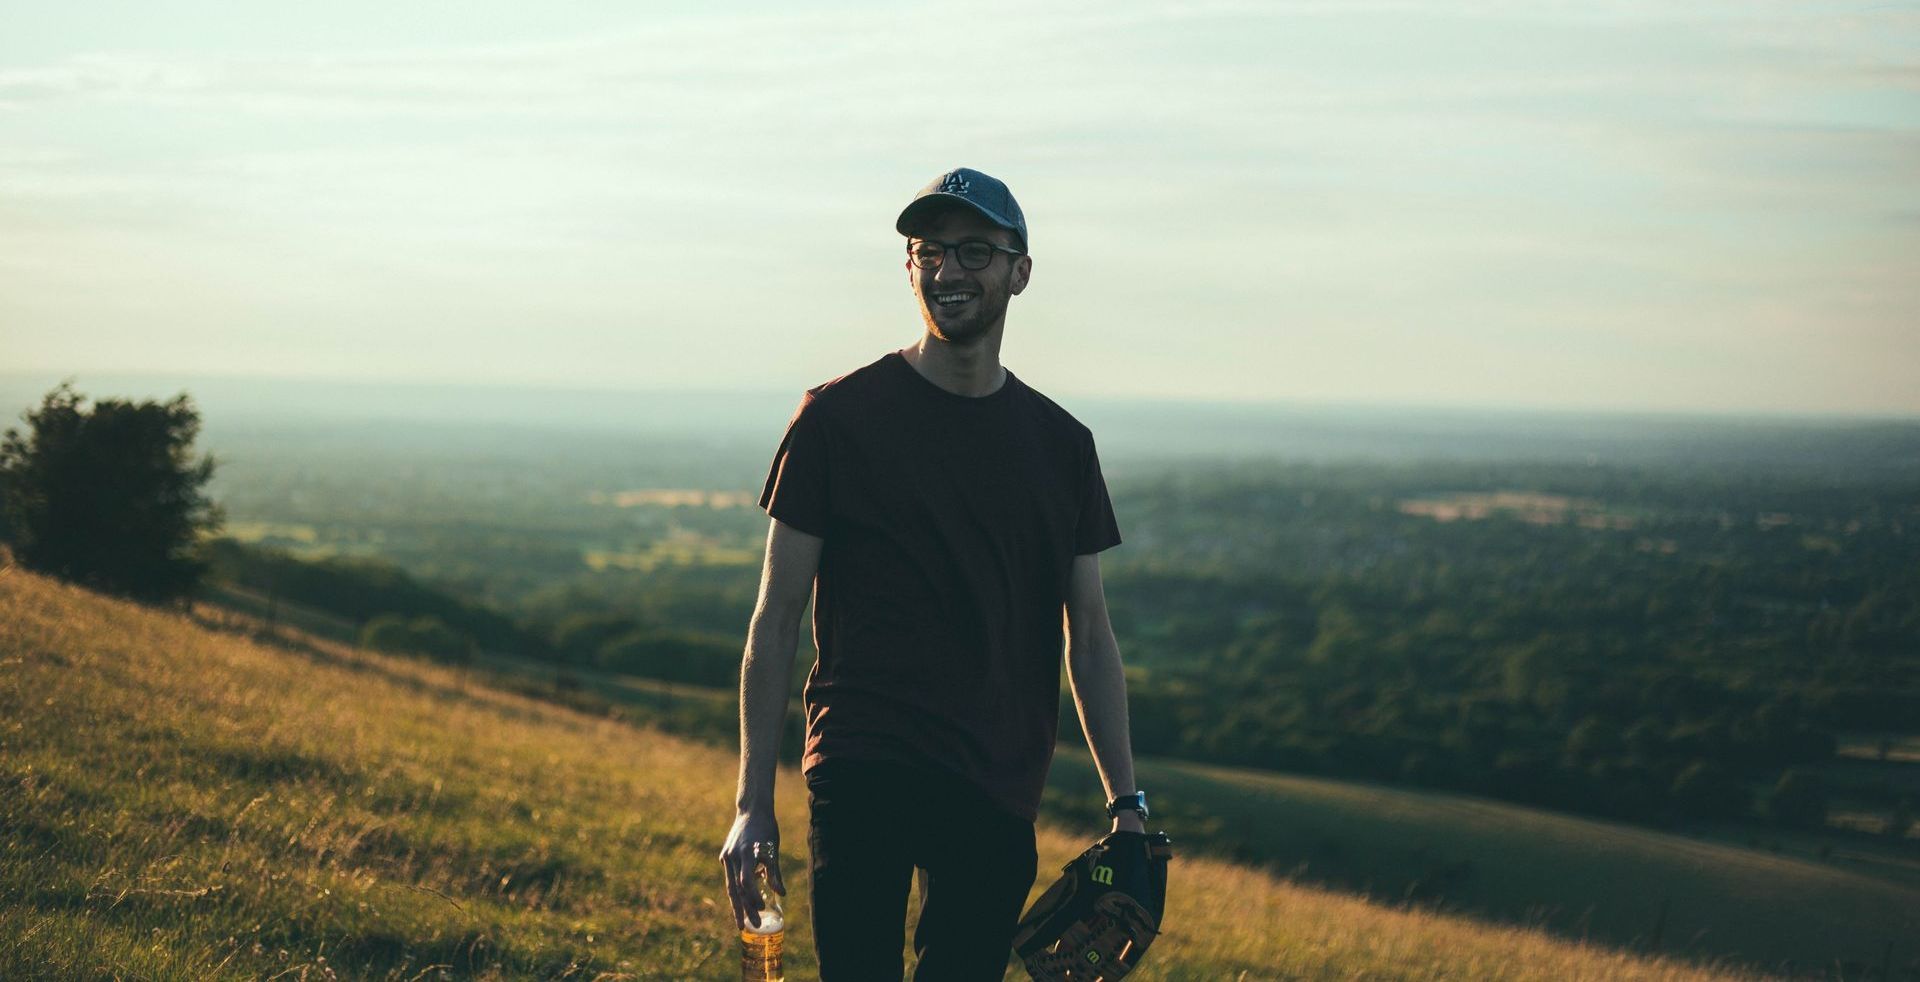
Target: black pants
<point>872,824</point>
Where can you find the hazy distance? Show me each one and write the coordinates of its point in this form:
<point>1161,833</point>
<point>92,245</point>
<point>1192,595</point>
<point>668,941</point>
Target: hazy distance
<point>745,426</point>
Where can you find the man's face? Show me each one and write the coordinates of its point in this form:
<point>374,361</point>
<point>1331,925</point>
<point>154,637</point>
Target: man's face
<point>960,304</point>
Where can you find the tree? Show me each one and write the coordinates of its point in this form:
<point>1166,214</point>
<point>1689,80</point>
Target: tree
<point>1885,621</point>
<point>1593,739</point>
<point>1708,790</point>
<point>109,497</point>
<point>1798,800</point>
<point>1900,819</point>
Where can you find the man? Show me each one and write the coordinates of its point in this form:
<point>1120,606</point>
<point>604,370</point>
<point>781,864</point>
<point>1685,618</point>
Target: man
<point>944,516</point>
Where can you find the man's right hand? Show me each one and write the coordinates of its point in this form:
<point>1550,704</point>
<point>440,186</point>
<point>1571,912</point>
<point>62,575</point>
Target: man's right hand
<point>737,857</point>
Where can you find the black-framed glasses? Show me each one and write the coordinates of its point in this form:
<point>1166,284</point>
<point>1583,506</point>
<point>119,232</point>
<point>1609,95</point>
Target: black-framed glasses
<point>973,253</point>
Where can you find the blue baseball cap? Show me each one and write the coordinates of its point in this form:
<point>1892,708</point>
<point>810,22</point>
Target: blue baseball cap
<point>968,187</point>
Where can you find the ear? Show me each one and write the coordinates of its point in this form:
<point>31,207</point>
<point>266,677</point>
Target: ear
<point>1022,271</point>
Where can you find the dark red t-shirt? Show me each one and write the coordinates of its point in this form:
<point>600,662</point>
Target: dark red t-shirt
<point>950,525</point>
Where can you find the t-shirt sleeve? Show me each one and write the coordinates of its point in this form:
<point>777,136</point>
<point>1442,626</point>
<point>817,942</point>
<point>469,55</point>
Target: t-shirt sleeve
<point>797,482</point>
<point>1098,529</point>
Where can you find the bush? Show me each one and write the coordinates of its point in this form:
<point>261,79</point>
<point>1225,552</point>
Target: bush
<point>579,637</point>
<point>690,658</point>
<point>360,589</point>
<point>423,635</point>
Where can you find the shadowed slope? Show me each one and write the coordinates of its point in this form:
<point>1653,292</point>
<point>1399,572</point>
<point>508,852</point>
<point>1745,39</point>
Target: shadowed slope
<point>1612,882</point>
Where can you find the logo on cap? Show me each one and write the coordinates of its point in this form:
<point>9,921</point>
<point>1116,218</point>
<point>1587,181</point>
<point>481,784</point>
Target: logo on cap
<point>955,184</point>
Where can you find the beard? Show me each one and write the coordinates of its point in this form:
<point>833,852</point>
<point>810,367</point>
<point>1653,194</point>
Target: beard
<point>962,328</point>
<point>955,332</point>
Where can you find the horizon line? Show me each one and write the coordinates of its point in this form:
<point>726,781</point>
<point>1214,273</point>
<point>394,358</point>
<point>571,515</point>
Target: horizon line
<point>533,387</point>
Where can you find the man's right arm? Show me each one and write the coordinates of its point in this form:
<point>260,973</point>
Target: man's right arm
<point>786,584</point>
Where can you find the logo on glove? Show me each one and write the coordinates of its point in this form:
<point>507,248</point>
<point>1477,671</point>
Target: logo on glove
<point>1085,927</point>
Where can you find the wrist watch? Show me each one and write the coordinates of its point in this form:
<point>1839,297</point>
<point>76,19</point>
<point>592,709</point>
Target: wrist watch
<point>1134,802</point>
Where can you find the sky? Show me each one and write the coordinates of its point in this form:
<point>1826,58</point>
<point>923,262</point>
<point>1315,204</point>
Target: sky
<point>1649,206</point>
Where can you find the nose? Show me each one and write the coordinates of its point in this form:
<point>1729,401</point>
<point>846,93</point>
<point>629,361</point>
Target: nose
<point>949,269</point>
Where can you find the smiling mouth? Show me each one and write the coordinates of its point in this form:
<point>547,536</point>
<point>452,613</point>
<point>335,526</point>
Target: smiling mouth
<point>952,299</point>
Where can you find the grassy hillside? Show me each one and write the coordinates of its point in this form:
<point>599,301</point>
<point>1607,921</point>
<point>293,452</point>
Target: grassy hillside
<point>1615,883</point>
<point>1576,876</point>
<point>1610,882</point>
<point>181,802</point>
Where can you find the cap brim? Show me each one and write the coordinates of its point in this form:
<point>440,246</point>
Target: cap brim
<point>923,208</point>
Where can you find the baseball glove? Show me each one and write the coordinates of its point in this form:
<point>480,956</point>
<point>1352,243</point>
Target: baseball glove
<point>1094,923</point>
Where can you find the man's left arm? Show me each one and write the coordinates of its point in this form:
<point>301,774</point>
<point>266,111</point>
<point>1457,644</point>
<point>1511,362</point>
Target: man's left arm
<point>1099,686</point>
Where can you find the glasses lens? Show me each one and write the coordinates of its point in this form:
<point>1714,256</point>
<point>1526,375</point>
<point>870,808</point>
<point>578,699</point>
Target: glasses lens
<point>926,255</point>
<point>975,255</point>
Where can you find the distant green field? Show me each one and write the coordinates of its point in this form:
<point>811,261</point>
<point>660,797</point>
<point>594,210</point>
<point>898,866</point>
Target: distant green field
<point>262,531</point>
<point>671,553</point>
<point>1575,876</point>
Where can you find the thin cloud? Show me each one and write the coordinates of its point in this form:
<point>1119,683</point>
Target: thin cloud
<point>1536,167</point>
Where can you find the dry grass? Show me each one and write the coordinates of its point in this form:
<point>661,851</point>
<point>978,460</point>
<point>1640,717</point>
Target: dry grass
<point>1580,877</point>
<point>179,801</point>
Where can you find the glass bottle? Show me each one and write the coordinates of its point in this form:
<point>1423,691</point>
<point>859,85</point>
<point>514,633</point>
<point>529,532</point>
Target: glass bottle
<point>760,946</point>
